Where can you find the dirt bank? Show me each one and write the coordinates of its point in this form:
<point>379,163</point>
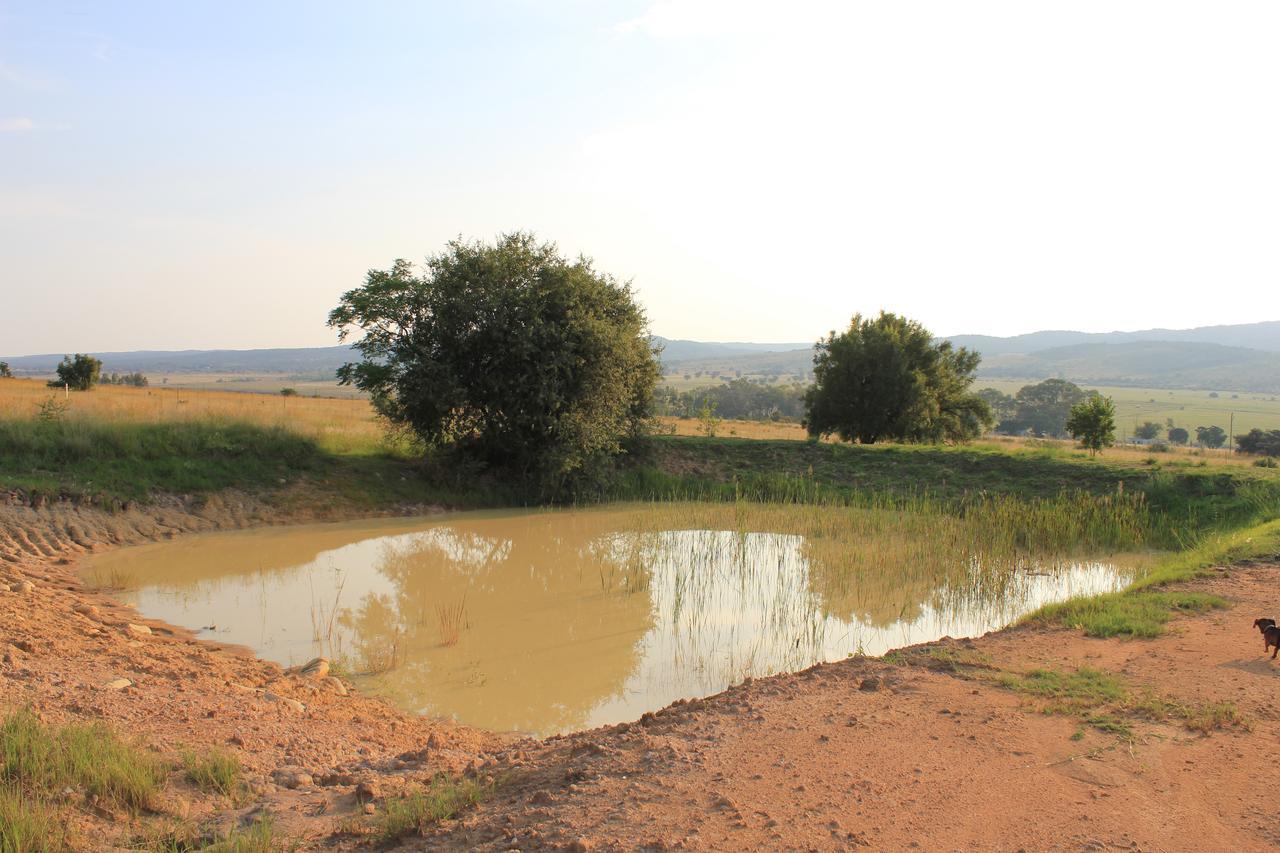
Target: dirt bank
<point>936,750</point>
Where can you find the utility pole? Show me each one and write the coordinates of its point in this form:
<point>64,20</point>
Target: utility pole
<point>1231,434</point>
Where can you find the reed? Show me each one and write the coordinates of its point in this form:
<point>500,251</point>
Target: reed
<point>451,619</point>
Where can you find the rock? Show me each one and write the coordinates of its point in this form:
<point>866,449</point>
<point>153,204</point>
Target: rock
<point>367,792</point>
<point>292,777</point>
<point>579,845</point>
<point>137,630</point>
<point>89,610</point>
<point>870,685</point>
<point>293,704</point>
<point>334,684</point>
<point>370,808</point>
<point>117,684</point>
<point>22,587</point>
<point>541,798</point>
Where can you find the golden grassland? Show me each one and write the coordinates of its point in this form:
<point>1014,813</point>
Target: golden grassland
<point>345,426</point>
<point>349,425</point>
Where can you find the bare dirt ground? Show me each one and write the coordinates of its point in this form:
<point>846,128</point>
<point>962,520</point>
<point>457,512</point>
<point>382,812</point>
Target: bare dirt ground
<point>860,753</point>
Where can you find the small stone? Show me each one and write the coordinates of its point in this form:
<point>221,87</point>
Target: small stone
<point>367,792</point>
<point>89,610</point>
<point>117,684</point>
<point>370,808</point>
<point>870,685</point>
<point>579,845</point>
<point>136,630</point>
<point>22,587</point>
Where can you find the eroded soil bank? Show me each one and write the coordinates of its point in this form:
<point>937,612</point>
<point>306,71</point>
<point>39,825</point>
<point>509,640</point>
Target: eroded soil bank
<point>934,748</point>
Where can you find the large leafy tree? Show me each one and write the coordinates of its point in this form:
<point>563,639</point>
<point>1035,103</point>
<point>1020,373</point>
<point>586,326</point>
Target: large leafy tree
<point>1092,422</point>
<point>517,358</point>
<point>1042,408</point>
<point>79,374</point>
<point>887,379</point>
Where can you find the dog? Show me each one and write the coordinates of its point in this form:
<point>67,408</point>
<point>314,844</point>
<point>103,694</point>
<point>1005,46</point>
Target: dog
<point>1270,635</point>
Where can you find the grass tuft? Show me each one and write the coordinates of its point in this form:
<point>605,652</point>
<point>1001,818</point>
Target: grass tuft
<point>441,800</point>
<point>216,771</point>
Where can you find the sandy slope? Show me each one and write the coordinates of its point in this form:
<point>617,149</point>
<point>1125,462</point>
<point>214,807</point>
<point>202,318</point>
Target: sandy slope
<point>816,760</point>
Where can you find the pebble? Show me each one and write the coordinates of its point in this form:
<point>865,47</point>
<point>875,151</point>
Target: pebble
<point>117,684</point>
<point>367,791</point>
<point>22,587</point>
<point>136,630</point>
<point>869,685</point>
<point>334,684</point>
<point>90,610</point>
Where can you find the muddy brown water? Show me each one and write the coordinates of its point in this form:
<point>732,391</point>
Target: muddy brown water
<point>550,621</point>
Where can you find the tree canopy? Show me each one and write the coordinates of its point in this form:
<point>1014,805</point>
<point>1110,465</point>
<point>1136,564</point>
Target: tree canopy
<point>79,374</point>
<point>5,372</point>
<point>515,357</point>
<point>1260,442</point>
<point>1092,422</point>
<point>1042,408</point>
<point>887,379</point>
<point>1211,436</point>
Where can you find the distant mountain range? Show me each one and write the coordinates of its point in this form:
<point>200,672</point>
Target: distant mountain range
<point>1239,358</point>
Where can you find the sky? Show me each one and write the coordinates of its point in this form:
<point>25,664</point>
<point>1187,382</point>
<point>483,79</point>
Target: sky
<point>216,174</point>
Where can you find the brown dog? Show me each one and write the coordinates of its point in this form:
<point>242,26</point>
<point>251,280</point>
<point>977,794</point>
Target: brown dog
<point>1270,635</point>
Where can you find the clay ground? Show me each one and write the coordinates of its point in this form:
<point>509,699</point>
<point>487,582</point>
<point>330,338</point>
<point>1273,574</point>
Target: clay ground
<point>860,753</point>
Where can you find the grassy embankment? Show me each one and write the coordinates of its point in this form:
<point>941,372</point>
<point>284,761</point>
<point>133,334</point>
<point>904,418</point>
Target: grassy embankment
<point>121,444</point>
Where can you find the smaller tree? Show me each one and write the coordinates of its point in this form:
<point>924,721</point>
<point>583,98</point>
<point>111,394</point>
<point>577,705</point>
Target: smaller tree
<point>288,392</point>
<point>1178,435</point>
<point>1092,422</point>
<point>5,372</point>
<point>1211,436</point>
<point>1147,430</point>
<point>79,374</point>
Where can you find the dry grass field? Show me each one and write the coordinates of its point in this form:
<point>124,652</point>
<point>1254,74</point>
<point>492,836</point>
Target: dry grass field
<point>344,426</point>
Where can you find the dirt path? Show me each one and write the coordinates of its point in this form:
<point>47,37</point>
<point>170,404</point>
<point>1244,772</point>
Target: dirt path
<point>857,753</point>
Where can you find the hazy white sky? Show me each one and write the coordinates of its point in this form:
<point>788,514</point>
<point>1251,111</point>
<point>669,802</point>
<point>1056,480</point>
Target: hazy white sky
<point>196,175</point>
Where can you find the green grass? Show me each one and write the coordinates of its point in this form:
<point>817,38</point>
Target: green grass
<point>42,761</point>
<point>30,824</point>
<point>1104,702</point>
<point>442,799</point>
<point>216,771</point>
<point>112,463</point>
<point>1145,608</point>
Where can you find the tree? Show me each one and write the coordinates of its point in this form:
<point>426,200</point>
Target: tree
<point>79,374</point>
<point>1042,408</point>
<point>1211,436</point>
<point>1147,430</point>
<point>1003,407</point>
<point>5,372</point>
<point>1178,435</point>
<point>1260,442</point>
<point>507,355</point>
<point>1092,422</point>
<point>288,392</point>
<point>887,379</point>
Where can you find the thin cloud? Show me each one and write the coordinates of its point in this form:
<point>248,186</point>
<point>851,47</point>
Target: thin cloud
<point>17,125</point>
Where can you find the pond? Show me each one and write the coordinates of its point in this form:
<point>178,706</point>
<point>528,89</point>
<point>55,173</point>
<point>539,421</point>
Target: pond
<point>550,621</point>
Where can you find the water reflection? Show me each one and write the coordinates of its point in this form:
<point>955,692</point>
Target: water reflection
<point>550,621</point>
